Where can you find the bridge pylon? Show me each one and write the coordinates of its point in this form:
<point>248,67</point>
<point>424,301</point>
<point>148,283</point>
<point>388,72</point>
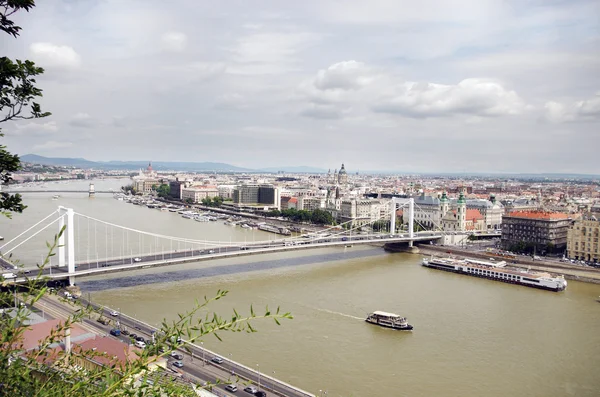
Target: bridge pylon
<point>411,216</point>
<point>70,230</point>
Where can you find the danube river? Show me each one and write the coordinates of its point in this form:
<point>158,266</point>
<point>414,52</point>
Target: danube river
<point>472,337</point>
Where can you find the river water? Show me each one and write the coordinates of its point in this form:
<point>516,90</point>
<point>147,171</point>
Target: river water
<point>472,337</point>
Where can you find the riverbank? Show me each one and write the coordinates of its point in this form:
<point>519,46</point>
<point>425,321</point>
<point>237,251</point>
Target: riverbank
<point>571,272</point>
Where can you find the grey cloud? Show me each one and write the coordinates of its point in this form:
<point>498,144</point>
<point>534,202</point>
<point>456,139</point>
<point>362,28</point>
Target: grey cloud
<point>82,120</point>
<point>351,73</point>
<point>584,110</point>
<point>322,112</point>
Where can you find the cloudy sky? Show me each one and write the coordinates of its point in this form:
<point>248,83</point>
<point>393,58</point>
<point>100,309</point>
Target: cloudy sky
<point>464,85</point>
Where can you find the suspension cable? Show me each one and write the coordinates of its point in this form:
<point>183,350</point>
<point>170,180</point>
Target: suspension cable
<point>33,235</point>
<point>53,213</point>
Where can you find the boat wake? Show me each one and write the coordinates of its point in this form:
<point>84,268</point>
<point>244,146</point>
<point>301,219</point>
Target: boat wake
<point>340,314</point>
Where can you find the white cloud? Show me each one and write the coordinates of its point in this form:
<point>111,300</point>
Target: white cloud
<point>477,97</point>
<point>353,83</point>
<point>52,55</point>
<point>173,41</point>
<point>588,109</point>
<point>34,128</point>
<point>52,145</point>
<point>348,75</point>
<point>82,120</point>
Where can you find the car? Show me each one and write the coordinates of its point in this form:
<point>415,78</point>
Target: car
<point>251,389</point>
<point>140,344</point>
<point>137,259</point>
<point>260,393</point>
<point>178,364</point>
<point>114,313</point>
<point>133,336</point>
<point>115,332</point>
<point>140,339</point>
<point>211,251</point>
<point>231,388</point>
<point>124,332</point>
<point>217,360</point>
<point>177,356</point>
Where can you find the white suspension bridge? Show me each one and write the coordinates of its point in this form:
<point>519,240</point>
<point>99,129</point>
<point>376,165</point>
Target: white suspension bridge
<point>91,246</point>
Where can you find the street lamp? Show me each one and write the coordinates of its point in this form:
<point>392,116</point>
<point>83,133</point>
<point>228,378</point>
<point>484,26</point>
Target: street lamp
<point>202,347</point>
<point>230,364</point>
<point>258,367</point>
<point>273,382</point>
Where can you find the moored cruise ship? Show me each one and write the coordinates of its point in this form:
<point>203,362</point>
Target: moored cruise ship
<point>498,271</point>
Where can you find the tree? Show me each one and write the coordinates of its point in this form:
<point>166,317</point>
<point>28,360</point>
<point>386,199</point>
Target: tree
<point>217,201</point>
<point>17,99</point>
<point>321,217</point>
<point>163,190</point>
<point>381,225</point>
<point>128,189</point>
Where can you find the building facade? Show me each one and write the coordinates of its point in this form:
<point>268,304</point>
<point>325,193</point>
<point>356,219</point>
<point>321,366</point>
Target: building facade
<point>361,212</point>
<point>582,240</point>
<point>539,231</point>
<point>197,193</point>
<point>267,195</point>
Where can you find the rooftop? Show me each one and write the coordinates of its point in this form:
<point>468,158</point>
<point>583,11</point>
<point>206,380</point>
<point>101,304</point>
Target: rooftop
<point>543,215</point>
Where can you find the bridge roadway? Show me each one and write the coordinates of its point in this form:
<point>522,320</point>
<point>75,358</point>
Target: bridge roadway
<point>193,255</point>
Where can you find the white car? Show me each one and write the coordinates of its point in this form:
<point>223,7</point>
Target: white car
<point>140,344</point>
<point>137,259</point>
<point>114,313</point>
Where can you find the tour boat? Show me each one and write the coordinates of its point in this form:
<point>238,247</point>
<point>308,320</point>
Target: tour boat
<point>389,320</point>
<point>498,271</point>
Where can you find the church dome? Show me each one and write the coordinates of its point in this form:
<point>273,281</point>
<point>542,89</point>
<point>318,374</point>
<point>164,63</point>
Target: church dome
<point>343,170</point>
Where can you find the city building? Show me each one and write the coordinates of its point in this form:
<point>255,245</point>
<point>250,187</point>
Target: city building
<point>455,219</point>
<point>582,239</point>
<point>175,188</point>
<point>535,231</point>
<point>343,176</point>
<point>491,209</point>
<point>267,195</point>
<point>358,212</point>
<point>145,180</point>
<point>197,193</point>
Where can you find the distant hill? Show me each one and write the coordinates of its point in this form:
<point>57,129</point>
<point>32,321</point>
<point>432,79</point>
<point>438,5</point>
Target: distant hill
<point>132,165</point>
<point>68,162</point>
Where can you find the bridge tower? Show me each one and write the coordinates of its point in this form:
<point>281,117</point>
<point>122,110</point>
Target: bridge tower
<point>92,191</point>
<point>411,217</point>
<point>70,230</point>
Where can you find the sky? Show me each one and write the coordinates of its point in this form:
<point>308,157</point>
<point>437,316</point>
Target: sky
<point>427,86</point>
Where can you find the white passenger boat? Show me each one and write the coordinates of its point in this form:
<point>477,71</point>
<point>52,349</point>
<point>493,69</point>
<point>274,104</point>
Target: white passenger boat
<point>498,271</point>
<point>389,320</point>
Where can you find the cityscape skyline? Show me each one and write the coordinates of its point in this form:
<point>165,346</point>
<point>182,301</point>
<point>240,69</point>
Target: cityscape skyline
<point>479,86</point>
